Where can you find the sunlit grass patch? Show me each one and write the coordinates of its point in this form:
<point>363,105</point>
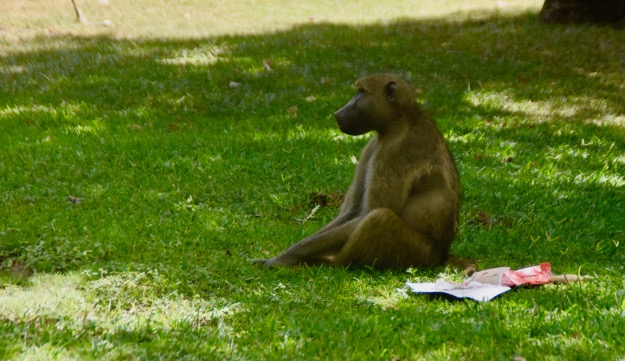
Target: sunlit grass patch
<point>197,19</point>
<point>125,302</point>
<point>111,304</point>
<point>197,56</point>
<point>567,108</point>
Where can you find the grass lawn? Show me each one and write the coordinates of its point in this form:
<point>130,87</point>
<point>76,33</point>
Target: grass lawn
<point>148,155</point>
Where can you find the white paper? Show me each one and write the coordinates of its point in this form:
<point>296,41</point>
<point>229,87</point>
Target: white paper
<point>471,289</point>
<point>491,276</point>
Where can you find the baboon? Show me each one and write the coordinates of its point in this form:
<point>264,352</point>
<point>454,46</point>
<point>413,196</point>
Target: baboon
<point>402,207</point>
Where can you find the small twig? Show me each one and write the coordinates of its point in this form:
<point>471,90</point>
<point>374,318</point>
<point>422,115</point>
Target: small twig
<point>79,16</point>
<point>310,215</point>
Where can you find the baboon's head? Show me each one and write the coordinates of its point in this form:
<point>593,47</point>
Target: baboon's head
<point>380,102</point>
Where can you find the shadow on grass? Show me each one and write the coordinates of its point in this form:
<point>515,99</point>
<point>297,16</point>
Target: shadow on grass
<point>535,116</point>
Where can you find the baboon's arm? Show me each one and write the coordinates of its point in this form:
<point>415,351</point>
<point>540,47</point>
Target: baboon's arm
<point>353,202</point>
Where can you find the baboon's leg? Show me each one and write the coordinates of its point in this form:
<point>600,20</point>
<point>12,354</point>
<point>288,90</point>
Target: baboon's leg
<point>383,240</point>
<point>314,249</point>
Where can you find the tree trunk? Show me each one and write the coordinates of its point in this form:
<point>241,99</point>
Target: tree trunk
<point>583,11</point>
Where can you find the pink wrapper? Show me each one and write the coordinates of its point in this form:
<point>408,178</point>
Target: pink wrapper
<point>535,275</point>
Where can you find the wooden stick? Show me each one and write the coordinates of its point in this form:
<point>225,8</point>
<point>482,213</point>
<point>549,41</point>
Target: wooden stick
<point>568,278</point>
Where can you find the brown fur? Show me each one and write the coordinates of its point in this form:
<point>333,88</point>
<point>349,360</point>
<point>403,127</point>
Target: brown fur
<point>402,207</point>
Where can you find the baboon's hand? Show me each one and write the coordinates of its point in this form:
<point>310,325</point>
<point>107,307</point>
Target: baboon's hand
<point>272,262</point>
<point>264,262</point>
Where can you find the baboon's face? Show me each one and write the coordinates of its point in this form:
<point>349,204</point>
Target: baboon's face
<point>370,109</point>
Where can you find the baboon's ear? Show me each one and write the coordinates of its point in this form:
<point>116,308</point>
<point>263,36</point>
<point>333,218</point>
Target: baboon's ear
<point>390,91</point>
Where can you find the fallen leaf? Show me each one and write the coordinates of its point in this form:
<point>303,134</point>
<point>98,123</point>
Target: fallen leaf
<point>74,200</point>
<point>173,127</point>
<point>266,66</point>
<point>332,199</point>
<point>20,270</point>
<point>326,80</point>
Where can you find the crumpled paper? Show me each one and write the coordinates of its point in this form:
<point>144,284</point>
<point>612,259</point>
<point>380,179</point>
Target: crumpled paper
<point>468,289</point>
<point>487,284</point>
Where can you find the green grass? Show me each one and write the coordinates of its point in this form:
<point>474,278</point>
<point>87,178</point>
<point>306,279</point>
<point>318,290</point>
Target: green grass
<point>183,177</point>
